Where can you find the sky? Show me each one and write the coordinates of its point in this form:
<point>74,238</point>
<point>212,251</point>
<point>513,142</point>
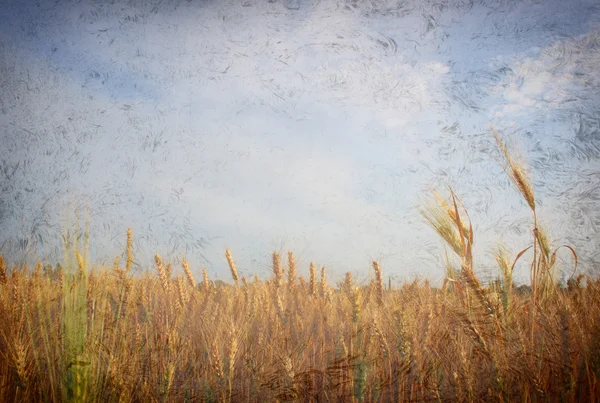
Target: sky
<point>316,126</point>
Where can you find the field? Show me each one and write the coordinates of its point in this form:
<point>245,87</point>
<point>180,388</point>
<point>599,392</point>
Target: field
<point>83,333</point>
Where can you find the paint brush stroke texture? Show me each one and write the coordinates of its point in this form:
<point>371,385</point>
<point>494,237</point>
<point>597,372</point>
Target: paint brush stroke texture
<point>310,125</point>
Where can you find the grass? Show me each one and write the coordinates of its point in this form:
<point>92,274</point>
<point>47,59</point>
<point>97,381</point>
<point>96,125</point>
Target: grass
<point>83,333</point>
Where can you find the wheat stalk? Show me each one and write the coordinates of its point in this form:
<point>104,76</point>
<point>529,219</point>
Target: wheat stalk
<point>516,171</point>
<point>216,360</point>
<point>181,291</point>
<point>20,360</point>
<point>378,283</point>
<point>323,287</point>
<point>162,275</point>
<point>188,273</point>
<point>291,271</point>
<point>313,280</point>
<point>232,267</point>
<point>82,271</point>
<point>129,251</point>
<point>3,275</point>
<point>205,280</point>
<point>277,272</point>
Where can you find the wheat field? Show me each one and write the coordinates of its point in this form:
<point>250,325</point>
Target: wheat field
<point>79,332</point>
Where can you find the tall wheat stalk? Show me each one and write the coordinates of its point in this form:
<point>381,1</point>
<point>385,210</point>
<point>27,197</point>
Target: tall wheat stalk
<point>543,281</point>
<point>188,273</point>
<point>234,273</point>
<point>291,271</point>
<point>313,280</point>
<point>277,271</point>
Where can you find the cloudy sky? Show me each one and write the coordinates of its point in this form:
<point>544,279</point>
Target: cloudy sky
<point>312,125</point>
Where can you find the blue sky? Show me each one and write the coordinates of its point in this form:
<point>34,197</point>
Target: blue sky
<point>315,126</point>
